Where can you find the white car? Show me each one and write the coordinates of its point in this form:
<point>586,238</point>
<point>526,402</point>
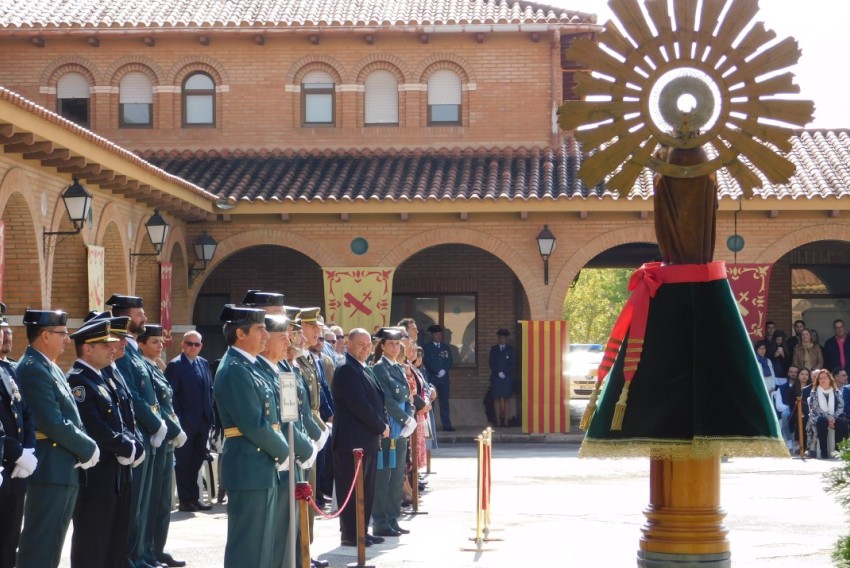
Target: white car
<point>582,365</point>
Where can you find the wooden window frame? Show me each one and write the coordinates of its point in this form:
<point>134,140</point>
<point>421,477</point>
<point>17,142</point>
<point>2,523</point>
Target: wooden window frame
<point>196,93</point>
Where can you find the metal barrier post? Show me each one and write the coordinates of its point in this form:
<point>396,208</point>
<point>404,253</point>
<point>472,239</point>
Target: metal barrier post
<point>360,512</point>
<point>303,488</point>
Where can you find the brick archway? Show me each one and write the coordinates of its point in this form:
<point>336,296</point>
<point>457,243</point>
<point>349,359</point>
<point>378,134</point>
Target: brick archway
<point>567,273</point>
<point>803,236</point>
<point>484,241</point>
<point>18,211</point>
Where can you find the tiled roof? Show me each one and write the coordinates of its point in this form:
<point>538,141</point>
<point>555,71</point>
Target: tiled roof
<point>46,14</point>
<point>822,158</point>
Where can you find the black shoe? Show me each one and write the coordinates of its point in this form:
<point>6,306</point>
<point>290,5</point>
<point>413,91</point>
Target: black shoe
<point>201,507</point>
<point>187,507</point>
<point>400,530</point>
<point>319,563</point>
<point>169,560</point>
<point>386,532</point>
<point>422,486</point>
<point>353,542</point>
<point>371,539</point>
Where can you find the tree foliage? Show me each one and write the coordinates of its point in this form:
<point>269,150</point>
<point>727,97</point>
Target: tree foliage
<point>593,304</point>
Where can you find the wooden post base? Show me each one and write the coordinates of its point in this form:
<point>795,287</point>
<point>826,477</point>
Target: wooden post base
<point>684,520</point>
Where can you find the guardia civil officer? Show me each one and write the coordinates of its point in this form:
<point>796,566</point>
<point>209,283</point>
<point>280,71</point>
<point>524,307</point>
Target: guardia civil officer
<point>254,449</point>
<point>151,345</point>
<point>102,517</point>
<point>148,419</point>
<point>502,366</point>
<point>18,450</point>
<point>389,479</point>
<point>438,361</point>
<point>62,446</point>
<point>304,449</point>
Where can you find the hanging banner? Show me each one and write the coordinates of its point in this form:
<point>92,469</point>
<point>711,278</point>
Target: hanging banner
<point>750,284</point>
<point>358,297</point>
<point>165,271</point>
<point>2,255</point>
<point>545,387</point>
<point>96,258</point>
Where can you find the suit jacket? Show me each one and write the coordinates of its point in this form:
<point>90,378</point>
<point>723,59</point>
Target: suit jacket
<point>100,410</point>
<point>831,355</point>
<point>192,393</point>
<point>437,359</point>
<point>56,418</point>
<point>360,417</point>
<point>246,402</point>
<point>137,375</point>
<point>16,420</point>
<point>502,361</point>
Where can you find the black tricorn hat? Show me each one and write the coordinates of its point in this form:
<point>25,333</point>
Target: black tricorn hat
<point>434,328</point>
<point>151,330</point>
<point>122,301</point>
<point>258,298</point>
<point>233,314</point>
<point>388,333</point>
<point>45,317</point>
<point>503,331</point>
<point>276,323</point>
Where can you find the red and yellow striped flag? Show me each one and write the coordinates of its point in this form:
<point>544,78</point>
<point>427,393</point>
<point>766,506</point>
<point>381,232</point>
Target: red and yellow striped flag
<point>545,389</point>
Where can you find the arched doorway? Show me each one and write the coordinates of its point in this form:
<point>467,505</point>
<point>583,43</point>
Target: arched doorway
<point>812,283</point>
<point>115,262</point>
<point>472,293</point>
<point>262,267</point>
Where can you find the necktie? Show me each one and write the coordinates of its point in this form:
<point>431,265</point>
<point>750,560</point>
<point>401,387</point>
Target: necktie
<point>197,366</point>
<point>502,348</point>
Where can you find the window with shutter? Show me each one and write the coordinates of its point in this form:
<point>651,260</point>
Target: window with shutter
<point>135,101</point>
<point>198,101</point>
<point>72,98</point>
<point>317,99</point>
<point>444,98</point>
<point>381,100</point>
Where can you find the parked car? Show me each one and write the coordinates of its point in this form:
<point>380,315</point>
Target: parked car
<point>582,362</point>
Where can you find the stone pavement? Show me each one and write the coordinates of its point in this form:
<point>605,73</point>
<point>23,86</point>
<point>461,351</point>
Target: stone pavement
<point>552,508</point>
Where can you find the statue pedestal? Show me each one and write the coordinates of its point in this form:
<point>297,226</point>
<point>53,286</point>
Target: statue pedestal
<point>684,520</point>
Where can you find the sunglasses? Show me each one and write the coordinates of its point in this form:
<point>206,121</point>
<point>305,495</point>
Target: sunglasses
<point>339,337</point>
<point>331,341</point>
<point>321,339</point>
<point>191,344</point>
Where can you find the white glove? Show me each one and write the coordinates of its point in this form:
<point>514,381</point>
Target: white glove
<point>1,477</point>
<point>139,459</point>
<point>408,428</point>
<point>19,473</point>
<point>501,375</point>
<point>283,466</point>
<point>308,463</point>
<point>441,374</point>
<point>323,437</point>
<point>159,437</point>
<point>127,461</point>
<point>180,439</point>
<point>95,457</point>
<point>27,463</point>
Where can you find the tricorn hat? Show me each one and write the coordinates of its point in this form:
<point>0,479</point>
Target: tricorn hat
<point>93,331</point>
<point>258,298</point>
<point>45,317</point>
<point>435,328</point>
<point>122,301</point>
<point>233,314</point>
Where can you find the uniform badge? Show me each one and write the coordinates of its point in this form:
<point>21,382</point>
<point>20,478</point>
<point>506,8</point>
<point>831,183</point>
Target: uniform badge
<point>79,393</point>
<point>103,391</point>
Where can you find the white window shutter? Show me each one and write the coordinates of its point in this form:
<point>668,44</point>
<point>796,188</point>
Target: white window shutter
<point>381,104</point>
<point>72,86</point>
<point>135,88</point>
<point>444,88</point>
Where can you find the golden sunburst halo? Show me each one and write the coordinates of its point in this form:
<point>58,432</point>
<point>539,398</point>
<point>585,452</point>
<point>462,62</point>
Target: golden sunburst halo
<point>701,75</point>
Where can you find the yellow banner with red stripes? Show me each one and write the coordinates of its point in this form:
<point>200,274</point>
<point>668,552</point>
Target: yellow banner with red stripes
<point>358,297</point>
<point>545,387</point>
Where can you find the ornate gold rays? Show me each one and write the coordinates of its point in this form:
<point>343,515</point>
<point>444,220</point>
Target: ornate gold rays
<point>685,82</point>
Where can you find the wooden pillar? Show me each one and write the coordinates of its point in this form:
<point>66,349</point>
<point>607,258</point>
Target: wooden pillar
<point>684,520</point>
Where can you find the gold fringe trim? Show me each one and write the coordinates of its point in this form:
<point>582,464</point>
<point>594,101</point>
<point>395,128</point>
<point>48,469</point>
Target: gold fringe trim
<point>697,448</point>
<point>590,409</point>
<point>620,408</point>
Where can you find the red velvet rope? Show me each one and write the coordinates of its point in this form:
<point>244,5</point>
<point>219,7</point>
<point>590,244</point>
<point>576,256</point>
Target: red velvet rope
<point>307,495</point>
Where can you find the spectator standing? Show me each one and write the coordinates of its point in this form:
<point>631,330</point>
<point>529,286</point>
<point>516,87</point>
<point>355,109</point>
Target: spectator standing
<point>766,366</point>
<point>807,353</point>
<point>836,350</point>
<point>794,340</point>
<point>438,361</point>
<point>18,450</point>
<point>360,422</point>
<point>339,346</point>
<point>191,380</point>
<point>780,356</point>
<point>827,405</point>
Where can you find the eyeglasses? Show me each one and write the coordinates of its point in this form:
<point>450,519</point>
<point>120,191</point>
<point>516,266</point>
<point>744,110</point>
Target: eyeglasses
<point>331,341</point>
<point>321,339</point>
<point>65,333</point>
<point>191,344</point>
<point>340,337</point>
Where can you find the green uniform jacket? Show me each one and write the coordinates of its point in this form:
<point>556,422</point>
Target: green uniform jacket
<point>310,426</point>
<point>308,370</point>
<point>246,402</point>
<point>164,395</point>
<point>303,446</point>
<point>134,369</point>
<point>56,416</point>
<point>392,381</point>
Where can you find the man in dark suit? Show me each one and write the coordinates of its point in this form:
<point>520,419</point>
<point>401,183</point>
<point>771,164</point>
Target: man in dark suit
<point>190,378</point>
<point>360,422</point>
<point>19,459</point>
<point>836,350</point>
<point>102,517</point>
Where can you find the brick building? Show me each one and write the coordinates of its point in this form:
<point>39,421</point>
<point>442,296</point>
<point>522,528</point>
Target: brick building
<point>413,135</point>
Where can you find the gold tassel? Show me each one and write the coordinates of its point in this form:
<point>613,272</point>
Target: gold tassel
<point>620,408</point>
<point>590,409</point>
